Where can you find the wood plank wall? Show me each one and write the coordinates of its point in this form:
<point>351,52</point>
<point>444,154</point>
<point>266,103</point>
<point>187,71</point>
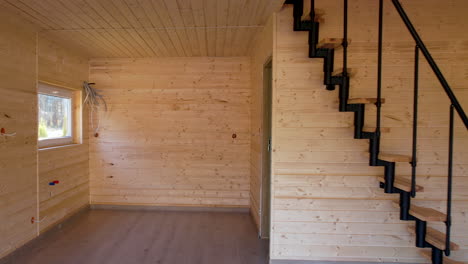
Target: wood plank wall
<point>326,200</point>
<point>167,138</point>
<point>27,57</point>
<point>69,165</point>
<point>18,113</point>
<point>261,51</point>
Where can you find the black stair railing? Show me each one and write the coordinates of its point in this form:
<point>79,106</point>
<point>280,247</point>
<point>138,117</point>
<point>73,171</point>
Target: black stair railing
<point>454,106</point>
<point>374,143</point>
<point>344,86</point>
<point>345,38</point>
<point>379,78</point>
<point>415,122</point>
<point>327,53</point>
<point>448,222</point>
<point>431,62</point>
<point>389,172</point>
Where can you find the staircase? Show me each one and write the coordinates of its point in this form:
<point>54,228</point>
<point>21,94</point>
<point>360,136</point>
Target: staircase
<point>307,18</point>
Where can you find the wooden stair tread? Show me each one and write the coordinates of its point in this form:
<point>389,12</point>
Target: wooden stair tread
<point>364,100</point>
<point>372,129</point>
<point>424,214</point>
<point>318,18</point>
<point>331,43</point>
<point>306,13</point>
<point>339,72</point>
<point>428,255</point>
<point>394,157</point>
<point>403,184</point>
<point>427,214</point>
<point>435,238</point>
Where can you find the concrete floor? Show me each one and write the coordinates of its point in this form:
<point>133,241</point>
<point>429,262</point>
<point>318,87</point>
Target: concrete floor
<point>165,237</point>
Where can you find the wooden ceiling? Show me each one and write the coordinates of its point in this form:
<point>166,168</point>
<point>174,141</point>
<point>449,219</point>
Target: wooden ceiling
<point>150,28</point>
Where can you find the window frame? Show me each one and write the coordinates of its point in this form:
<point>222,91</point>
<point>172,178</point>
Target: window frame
<point>75,97</point>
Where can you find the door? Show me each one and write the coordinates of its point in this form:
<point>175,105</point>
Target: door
<point>266,151</point>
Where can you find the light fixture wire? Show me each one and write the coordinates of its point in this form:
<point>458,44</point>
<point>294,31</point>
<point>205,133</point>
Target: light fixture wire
<point>94,100</point>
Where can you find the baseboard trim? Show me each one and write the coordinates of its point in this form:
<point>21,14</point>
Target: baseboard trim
<point>169,208</point>
<point>282,261</point>
<point>10,258</point>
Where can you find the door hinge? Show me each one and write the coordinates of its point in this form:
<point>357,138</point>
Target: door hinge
<point>269,145</point>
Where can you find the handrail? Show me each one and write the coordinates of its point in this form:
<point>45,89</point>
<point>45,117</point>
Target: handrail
<point>431,62</point>
<point>455,105</point>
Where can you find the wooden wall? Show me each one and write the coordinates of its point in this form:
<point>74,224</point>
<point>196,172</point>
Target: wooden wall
<point>69,165</point>
<point>261,51</point>
<point>168,137</point>
<point>18,155</point>
<point>26,57</point>
<point>326,201</point>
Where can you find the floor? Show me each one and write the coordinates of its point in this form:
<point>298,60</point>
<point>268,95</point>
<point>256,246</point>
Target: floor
<point>167,237</point>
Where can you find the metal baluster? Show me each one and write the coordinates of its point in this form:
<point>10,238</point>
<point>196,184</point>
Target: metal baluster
<point>431,62</point>
<point>379,68</point>
<point>448,222</point>
<point>374,146</point>
<point>345,38</point>
<point>312,11</point>
<point>415,121</point>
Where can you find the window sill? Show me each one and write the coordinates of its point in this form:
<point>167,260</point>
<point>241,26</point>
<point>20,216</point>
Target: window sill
<point>60,147</point>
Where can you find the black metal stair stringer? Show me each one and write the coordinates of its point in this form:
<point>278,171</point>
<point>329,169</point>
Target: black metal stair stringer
<point>342,81</point>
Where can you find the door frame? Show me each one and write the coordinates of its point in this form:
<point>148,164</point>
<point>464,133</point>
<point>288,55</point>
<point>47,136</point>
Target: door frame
<point>265,185</point>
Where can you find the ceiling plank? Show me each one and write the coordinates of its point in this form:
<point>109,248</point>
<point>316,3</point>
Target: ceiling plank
<point>186,12</point>
<point>88,13</point>
<point>233,14</point>
<point>221,22</point>
<point>108,24</point>
<point>50,6</point>
<point>176,18</point>
<point>140,15</point>
<point>210,22</point>
<point>199,20</point>
<point>157,32</point>
<point>161,10</point>
<point>122,27</point>
<point>125,11</point>
<point>32,14</point>
<point>150,28</point>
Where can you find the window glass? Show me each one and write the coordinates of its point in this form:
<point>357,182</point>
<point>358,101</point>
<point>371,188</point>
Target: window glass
<point>55,117</point>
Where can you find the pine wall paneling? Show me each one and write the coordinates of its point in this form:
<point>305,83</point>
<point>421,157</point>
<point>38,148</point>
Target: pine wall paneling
<point>168,137</point>
<point>69,165</point>
<point>18,114</point>
<point>28,56</point>
<point>326,200</point>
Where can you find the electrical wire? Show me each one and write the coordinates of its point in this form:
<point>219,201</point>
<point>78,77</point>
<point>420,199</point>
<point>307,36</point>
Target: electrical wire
<point>94,100</point>
<point>8,135</point>
<point>38,221</point>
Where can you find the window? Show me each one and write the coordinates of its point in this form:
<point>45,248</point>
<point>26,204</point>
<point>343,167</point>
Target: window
<point>57,116</point>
